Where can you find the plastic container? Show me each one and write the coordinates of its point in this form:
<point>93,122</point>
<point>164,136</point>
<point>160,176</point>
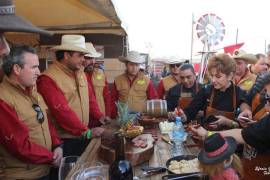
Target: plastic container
<point>178,136</point>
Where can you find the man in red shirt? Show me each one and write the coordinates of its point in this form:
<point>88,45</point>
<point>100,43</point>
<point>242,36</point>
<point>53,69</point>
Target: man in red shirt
<point>28,142</point>
<point>69,97</point>
<point>132,87</point>
<point>98,81</point>
<point>171,80</point>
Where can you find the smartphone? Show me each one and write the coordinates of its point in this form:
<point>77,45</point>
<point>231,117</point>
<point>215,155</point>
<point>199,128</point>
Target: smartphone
<point>245,119</point>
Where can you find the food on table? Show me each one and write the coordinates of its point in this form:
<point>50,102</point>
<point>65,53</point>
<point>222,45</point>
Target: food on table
<point>184,166</point>
<point>132,131</point>
<point>140,141</point>
<point>166,126</point>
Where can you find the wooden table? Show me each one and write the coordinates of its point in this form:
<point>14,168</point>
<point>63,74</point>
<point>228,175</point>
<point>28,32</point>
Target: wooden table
<point>162,152</point>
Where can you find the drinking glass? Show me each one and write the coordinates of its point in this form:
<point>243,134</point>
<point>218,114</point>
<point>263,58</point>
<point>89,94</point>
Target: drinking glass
<point>66,165</point>
<point>95,173</point>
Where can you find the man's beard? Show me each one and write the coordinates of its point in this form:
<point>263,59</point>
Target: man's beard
<point>89,69</point>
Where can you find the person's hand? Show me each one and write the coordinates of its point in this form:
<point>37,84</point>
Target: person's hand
<point>171,115</point>
<point>179,112</point>
<point>105,120</point>
<point>198,132</point>
<point>244,121</point>
<point>221,121</point>
<point>245,118</point>
<point>97,131</point>
<point>246,113</point>
<point>57,156</point>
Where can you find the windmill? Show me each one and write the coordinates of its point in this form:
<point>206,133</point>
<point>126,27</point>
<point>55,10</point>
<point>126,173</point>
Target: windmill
<point>210,30</point>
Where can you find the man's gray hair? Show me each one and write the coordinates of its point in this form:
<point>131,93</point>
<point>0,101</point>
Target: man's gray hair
<point>16,56</point>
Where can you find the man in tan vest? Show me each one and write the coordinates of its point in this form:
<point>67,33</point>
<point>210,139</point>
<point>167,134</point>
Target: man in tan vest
<point>243,77</point>
<point>171,80</point>
<point>28,142</point>
<point>70,99</point>
<point>98,81</point>
<point>132,87</point>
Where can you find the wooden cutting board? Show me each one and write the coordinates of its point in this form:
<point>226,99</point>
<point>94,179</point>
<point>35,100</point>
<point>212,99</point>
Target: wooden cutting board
<point>135,155</point>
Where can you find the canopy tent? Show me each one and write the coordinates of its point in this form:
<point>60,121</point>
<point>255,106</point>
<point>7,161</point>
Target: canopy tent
<point>97,20</point>
<point>59,15</point>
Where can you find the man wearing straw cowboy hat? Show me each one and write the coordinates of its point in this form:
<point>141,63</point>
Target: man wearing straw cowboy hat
<point>97,79</point>
<point>167,82</point>
<point>68,96</point>
<point>132,87</point>
<point>243,77</point>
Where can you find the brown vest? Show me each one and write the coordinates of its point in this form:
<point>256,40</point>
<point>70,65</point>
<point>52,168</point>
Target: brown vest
<point>14,96</point>
<point>259,114</point>
<point>136,95</point>
<point>247,81</point>
<point>168,83</point>
<point>75,89</point>
<point>98,80</point>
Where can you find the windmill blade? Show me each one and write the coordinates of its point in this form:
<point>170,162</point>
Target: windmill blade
<point>210,29</point>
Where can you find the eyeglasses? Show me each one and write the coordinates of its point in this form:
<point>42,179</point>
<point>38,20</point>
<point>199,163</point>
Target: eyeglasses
<point>40,115</point>
<point>174,65</point>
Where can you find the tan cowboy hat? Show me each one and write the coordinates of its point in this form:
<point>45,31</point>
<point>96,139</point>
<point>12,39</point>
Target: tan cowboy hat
<point>9,22</point>
<point>241,54</point>
<point>132,56</point>
<point>73,43</point>
<point>93,52</point>
<point>173,61</point>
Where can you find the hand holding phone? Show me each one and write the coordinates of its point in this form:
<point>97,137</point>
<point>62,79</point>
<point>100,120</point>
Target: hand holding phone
<point>246,119</point>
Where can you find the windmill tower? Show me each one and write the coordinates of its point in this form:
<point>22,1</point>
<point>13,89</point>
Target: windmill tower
<point>210,30</point>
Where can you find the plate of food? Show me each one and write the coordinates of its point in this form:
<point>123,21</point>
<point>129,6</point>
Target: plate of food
<point>183,164</point>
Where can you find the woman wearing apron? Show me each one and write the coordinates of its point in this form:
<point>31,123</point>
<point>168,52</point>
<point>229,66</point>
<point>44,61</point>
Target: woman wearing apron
<point>221,99</point>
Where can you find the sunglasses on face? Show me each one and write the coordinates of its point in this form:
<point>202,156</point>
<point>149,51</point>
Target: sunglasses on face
<point>174,65</point>
<point>40,115</point>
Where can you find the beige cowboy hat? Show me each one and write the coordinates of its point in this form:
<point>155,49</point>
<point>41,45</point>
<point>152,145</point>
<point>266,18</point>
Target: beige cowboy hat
<point>132,56</point>
<point>93,52</point>
<point>72,43</point>
<point>173,61</point>
<point>9,22</point>
<point>241,54</point>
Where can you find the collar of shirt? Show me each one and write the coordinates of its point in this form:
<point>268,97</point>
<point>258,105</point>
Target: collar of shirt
<point>65,69</point>
<point>131,81</point>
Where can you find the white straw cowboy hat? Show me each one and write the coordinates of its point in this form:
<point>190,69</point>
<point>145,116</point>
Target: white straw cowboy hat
<point>173,61</point>
<point>9,22</point>
<point>72,43</point>
<point>241,54</point>
<point>93,52</point>
<point>132,56</point>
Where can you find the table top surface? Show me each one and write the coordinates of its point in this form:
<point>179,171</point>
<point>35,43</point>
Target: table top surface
<point>162,152</point>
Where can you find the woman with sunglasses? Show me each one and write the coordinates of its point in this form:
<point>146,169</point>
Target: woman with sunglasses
<point>221,99</point>
<point>171,80</point>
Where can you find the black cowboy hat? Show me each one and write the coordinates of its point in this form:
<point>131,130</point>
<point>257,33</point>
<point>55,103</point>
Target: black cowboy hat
<point>9,22</point>
<point>217,149</point>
